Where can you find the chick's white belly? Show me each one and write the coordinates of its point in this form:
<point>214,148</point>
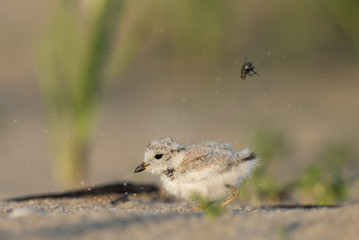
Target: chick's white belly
<point>211,189</point>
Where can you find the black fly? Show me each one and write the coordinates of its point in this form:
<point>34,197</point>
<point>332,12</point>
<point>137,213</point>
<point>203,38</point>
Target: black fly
<point>247,69</point>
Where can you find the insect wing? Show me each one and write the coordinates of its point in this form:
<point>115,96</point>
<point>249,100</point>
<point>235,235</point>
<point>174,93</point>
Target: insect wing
<point>245,61</point>
<point>250,67</point>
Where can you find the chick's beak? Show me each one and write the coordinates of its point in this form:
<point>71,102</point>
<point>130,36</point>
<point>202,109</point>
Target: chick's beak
<point>141,167</point>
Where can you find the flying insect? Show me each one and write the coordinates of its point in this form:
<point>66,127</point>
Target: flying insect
<point>247,69</point>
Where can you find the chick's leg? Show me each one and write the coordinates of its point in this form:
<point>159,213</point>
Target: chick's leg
<point>234,195</point>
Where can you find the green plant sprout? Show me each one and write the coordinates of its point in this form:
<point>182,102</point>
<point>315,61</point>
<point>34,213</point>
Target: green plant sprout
<point>323,182</point>
<point>269,146</point>
<point>72,64</point>
<point>212,210</point>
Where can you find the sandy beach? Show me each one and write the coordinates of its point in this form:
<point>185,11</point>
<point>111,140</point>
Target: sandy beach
<point>145,219</point>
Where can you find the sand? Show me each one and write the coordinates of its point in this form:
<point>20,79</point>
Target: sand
<point>147,219</point>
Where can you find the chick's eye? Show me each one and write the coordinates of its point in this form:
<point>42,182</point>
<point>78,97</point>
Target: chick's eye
<point>158,156</point>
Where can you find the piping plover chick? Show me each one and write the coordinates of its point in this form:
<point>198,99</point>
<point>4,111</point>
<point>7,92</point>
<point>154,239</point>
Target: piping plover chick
<point>211,170</point>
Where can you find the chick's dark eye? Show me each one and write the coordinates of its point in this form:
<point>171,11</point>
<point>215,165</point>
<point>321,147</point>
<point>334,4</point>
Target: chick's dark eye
<point>158,156</point>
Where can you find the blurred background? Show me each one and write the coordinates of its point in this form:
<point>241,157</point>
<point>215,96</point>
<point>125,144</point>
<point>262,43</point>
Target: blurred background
<point>86,85</point>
